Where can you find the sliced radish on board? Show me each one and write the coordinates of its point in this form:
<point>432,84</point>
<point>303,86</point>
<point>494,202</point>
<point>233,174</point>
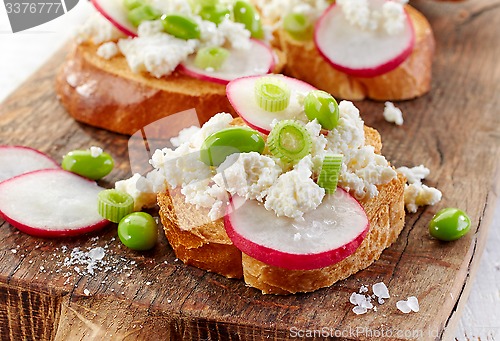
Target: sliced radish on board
<point>116,13</point>
<point>241,95</point>
<point>326,236</point>
<point>258,60</point>
<point>358,52</point>
<point>51,203</point>
<point>17,160</point>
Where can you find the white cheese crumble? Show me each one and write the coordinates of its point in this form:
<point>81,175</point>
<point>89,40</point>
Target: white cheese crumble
<point>142,189</point>
<point>417,194</point>
<point>158,54</point>
<point>95,151</point>
<point>411,304</point>
<point>362,169</point>
<point>274,11</point>
<point>107,50</point>
<point>249,175</point>
<point>295,193</point>
<point>390,16</point>
<point>393,114</point>
<point>97,30</point>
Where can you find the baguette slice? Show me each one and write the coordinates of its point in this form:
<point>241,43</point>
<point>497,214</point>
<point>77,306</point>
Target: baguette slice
<point>207,245</point>
<point>107,94</point>
<point>409,80</point>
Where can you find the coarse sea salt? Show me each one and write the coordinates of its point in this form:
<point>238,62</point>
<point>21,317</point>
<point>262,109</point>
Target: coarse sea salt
<point>363,302</point>
<point>411,304</point>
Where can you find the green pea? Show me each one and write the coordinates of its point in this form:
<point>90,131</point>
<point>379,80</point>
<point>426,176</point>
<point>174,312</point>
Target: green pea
<point>83,163</point>
<point>138,231</point>
<point>215,14</point>
<point>142,13</point>
<point>246,14</point>
<point>221,144</point>
<point>322,106</point>
<point>181,26</point>
<point>298,26</point>
<point>449,224</point>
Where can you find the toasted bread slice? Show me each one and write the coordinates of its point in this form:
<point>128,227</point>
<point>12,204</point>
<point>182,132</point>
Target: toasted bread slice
<point>207,246</point>
<point>409,80</point>
<point>107,94</point>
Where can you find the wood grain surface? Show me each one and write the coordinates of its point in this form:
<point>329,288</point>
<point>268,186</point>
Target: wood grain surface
<point>455,131</point>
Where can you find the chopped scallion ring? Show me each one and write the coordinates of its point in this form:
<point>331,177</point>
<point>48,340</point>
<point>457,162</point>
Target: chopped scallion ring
<point>272,94</point>
<point>142,13</point>
<point>211,57</point>
<point>298,25</point>
<point>113,205</point>
<point>289,141</point>
<point>329,174</point>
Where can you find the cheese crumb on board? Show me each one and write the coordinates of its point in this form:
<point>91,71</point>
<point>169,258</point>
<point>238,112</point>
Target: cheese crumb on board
<point>393,114</point>
<point>417,194</point>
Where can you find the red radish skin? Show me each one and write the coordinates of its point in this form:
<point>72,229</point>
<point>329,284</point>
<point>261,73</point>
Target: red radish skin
<point>40,231</point>
<point>118,19</point>
<point>258,49</point>
<point>17,160</point>
<point>292,261</point>
<point>241,96</point>
<point>367,72</point>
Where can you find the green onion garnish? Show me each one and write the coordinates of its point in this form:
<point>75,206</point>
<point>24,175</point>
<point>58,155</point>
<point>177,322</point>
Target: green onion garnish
<point>211,57</point>
<point>298,25</point>
<point>142,13</point>
<point>272,94</point>
<point>113,205</point>
<point>329,174</point>
<point>289,141</point>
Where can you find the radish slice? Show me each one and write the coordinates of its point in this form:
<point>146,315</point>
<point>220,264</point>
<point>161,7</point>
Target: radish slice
<point>357,52</point>
<point>116,13</point>
<point>258,60</point>
<point>51,203</point>
<point>326,236</point>
<point>241,95</point>
<point>17,160</point>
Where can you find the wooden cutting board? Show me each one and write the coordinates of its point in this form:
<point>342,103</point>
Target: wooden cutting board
<point>454,130</point>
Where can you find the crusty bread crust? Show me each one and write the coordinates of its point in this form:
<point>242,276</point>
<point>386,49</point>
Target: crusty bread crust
<point>409,80</point>
<point>207,246</point>
<point>106,94</point>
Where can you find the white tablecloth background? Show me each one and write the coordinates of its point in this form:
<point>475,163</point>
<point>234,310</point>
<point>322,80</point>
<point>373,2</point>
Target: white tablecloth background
<point>22,53</point>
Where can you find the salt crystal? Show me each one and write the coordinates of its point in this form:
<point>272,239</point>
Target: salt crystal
<point>13,251</point>
<point>380,290</point>
<point>381,301</point>
<point>42,268</point>
<point>413,304</point>
<point>169,301</point>
<point>95,151</point>
<point>357,299</point>
<point>148,283</point>
<point>86,292</point>
<point>358,310</point>
<point>403,306</point>
<point>363,289</point>
<point>97,253</point>
<point>176,260</point>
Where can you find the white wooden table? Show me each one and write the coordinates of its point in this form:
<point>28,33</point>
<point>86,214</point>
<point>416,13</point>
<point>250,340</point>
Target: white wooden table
<point>22,53</point>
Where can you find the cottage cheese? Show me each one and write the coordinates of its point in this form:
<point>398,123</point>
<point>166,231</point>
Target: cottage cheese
<point>142,189</point>
<point>295,193</point>
<point>157,54</point>
<point>97,30</point>
<point>393,114</point>
<point>248,175</point>
<point>390,16</point>
<point>275,10</point>
<point>107,50</point>
<point>416,194</point>
<point>362,169</point>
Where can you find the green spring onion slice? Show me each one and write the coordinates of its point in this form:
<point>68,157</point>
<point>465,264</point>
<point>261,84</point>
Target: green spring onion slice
<point>211,57</point>
<point>298,26</point>
<point>272,94</point>
<point>289,141</point>
<point>113,205</point>
<point>329,174</point>
<point>142,13</point>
